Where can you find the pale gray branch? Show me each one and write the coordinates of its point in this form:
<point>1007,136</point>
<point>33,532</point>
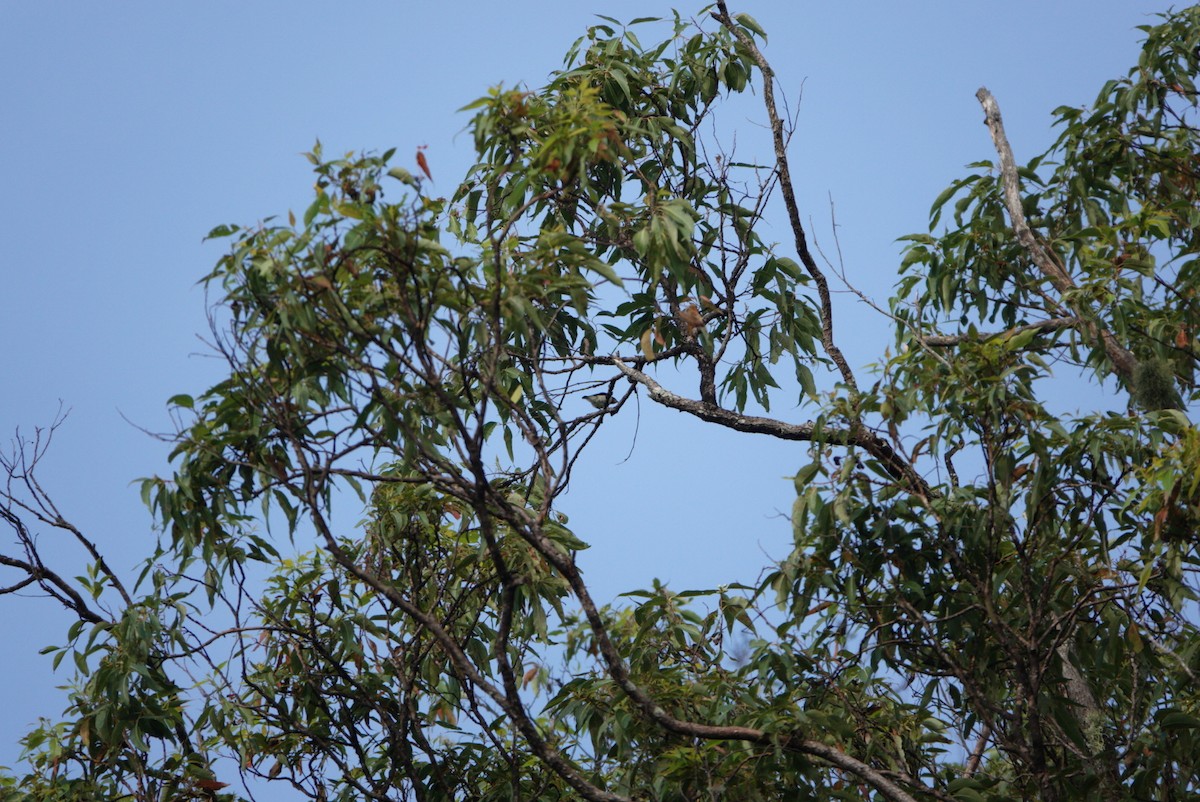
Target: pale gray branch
<point>1124,363</point>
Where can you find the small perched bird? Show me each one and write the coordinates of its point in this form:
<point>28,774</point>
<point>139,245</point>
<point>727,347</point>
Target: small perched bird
<point>422,162</point>
<point>599,400</point>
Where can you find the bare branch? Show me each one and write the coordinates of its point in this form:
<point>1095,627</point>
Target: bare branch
<point>1122,360</point>
<point>22,497</point>
<point>779,137</point>
<point>972,764</point>
<point>50,582</point>
<point>860,436</point>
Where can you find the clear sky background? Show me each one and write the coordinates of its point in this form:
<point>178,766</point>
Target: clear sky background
<point>131,129</point>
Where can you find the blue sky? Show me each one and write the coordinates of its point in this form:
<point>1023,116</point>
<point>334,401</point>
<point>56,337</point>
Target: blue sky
<point>131,129</point>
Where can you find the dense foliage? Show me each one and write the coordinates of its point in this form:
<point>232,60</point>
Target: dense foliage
<point>987,598</point>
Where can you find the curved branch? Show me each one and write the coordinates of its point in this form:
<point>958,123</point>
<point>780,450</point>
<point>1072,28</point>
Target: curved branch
<point>1124,363</point>
<point>860,436</point>
<point>50,582</point>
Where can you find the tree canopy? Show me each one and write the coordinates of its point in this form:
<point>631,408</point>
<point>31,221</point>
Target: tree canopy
<point>989,595</point>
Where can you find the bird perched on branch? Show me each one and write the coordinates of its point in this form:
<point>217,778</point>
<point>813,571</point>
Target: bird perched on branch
<point>599,400</point>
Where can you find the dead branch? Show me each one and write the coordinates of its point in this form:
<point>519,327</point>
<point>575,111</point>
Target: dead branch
<point>1124,363</point>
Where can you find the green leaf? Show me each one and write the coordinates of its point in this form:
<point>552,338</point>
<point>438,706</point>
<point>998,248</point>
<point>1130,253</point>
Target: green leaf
<point>1178,720</point>
<point>1021,339</point>
<point>605,270</point>
<point>749,23</point>
<point>222,231</point>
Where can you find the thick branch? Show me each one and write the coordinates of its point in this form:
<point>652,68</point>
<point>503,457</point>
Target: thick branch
<point>1091,720</point>
<point>972,764</point>
<point>1124,363</point>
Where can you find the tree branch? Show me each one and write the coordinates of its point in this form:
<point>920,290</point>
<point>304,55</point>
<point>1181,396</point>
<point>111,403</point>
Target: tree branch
<point>1124,363</point>
<point>1053,324</point>
<point>53,584</point>
<point>860,436</point>
<point>789,194</point>
<point>972,764</point>
<point>650,707</point>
